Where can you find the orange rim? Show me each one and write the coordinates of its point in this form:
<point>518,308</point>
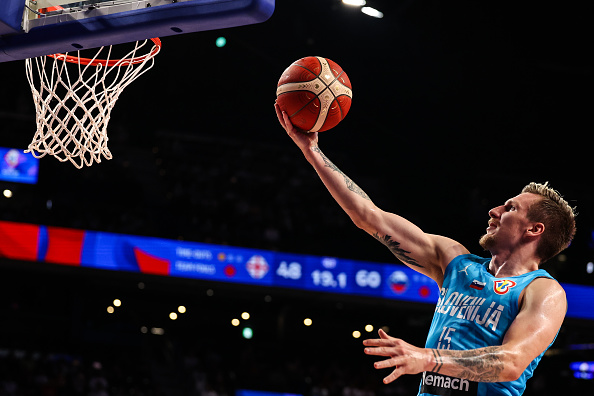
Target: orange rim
<point>112,62</point>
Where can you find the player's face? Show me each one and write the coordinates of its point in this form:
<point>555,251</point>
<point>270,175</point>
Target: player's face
<point>508,223</point>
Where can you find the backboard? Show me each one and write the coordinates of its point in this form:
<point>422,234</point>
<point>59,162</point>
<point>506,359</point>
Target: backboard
<point>31,28</point>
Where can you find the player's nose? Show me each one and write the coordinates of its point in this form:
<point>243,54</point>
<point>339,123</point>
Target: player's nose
<point>495,213</point>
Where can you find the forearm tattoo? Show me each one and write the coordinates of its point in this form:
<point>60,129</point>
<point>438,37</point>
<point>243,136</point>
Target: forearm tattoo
<point>481,365</point>
<point>397,250</point>
<point>349,183</point>
<point>386,240</point>
<point>438,361</point>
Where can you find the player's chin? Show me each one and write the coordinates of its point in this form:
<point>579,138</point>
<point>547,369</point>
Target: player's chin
<point>487,241</point>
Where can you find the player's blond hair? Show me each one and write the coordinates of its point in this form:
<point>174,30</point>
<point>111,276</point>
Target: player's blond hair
<point>556,215</point>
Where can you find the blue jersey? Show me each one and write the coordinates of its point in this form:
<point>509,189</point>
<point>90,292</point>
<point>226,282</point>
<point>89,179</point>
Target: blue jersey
<point>474,310</point>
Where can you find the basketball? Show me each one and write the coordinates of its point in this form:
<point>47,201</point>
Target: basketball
<point>315,92</point>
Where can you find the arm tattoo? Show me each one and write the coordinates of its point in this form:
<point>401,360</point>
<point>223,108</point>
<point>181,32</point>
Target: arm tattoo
<point>395,248</point>
<point>438,361</point>
<point>349,183</point>
<point>482,365</point>
<point>386,240</point>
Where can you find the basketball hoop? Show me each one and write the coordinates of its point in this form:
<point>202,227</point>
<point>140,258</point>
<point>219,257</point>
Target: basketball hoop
<point>73,107</point>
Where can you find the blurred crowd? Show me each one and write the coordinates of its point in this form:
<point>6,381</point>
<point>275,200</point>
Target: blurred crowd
<point>208,373</point>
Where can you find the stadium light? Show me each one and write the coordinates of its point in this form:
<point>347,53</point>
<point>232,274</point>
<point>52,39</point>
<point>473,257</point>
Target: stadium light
<point>372,12</point>
<point>354,2</point>
<point>247,333</point>
<point>221,42</point>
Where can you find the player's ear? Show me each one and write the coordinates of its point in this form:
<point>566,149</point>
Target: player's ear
<point>536,229</point>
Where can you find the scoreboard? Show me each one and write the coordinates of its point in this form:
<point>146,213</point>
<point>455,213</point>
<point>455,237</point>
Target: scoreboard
<point>257,267</point>
<point>131,253</point>
<point>209,262</point>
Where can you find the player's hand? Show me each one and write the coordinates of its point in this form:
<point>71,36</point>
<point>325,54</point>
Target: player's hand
<point>304,140</point>
<point>405,358</point>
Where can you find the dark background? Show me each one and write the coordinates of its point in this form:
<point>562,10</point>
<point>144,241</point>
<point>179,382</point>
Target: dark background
<point>457,105</point>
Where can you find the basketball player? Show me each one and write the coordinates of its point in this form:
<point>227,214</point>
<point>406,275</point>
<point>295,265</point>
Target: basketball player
<point>496,316</point>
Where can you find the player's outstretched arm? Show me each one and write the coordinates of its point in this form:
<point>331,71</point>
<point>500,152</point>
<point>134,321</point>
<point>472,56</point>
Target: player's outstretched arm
<point>543,309</point>
<point>426,253</point>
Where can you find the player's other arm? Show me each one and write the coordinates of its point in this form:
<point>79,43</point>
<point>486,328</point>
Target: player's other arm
<point>542,311</point>
<point>543,308</point>
<point>426,253</point>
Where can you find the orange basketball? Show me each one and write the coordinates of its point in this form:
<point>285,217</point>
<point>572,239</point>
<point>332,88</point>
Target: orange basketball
<point>315,92</point>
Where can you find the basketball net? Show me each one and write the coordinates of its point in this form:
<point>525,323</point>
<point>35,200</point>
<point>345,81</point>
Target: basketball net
<point>74,97</point>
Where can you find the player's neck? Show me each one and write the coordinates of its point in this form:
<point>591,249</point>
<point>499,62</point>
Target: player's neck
<point>504,264</point>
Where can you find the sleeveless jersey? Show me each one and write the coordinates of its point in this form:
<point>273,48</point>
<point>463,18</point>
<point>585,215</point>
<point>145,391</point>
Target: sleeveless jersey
<point>474,310</point>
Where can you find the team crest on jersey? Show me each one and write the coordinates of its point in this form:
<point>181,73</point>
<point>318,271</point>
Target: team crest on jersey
<point>502,286</point>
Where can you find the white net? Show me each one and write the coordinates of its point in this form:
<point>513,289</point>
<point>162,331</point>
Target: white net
<point>74,97</point>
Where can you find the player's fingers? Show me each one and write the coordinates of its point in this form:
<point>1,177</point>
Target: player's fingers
<point>383,334</point>
<point>279,115</point>
<point>378,342</point>
<point>285,121</point>
<point>393,376</point>
<point>392,362</point>
<point>288,124</point>
<point>380,351</point>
